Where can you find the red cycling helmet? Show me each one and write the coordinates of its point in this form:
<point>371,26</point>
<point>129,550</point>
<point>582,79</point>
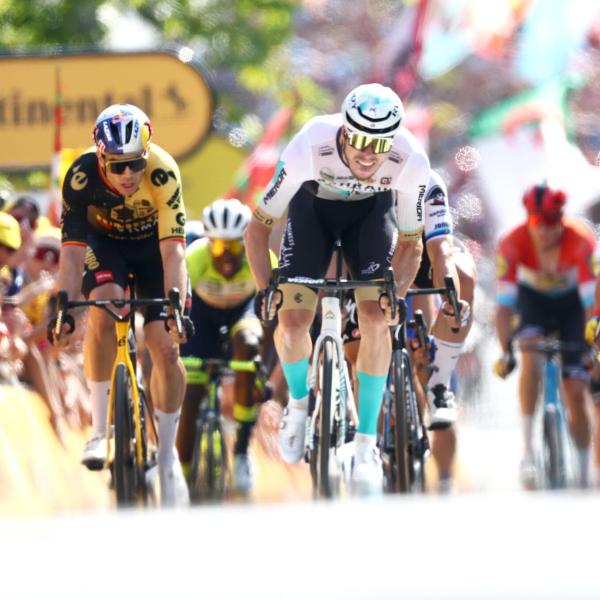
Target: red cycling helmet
<point>544,204</point>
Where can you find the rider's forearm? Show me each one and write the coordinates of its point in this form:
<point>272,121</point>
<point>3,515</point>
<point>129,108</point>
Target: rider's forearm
<point>174,267</point>
<point>441,256</point>
<point>504,316</point>
<point>70,272</point>
<point>256,240</point>
<point>405,263</point>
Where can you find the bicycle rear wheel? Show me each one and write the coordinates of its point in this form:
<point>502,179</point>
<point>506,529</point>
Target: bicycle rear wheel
<point>554,455</point>
<point>125,473</point>
<point>209,462</point>
<point>401,455</point>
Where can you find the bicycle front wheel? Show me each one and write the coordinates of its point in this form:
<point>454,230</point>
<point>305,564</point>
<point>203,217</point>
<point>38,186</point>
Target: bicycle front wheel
<point>401,426</point>
<point>319,459</point>
<point>554,456</point>
<point>125,474</point>
<point>209,462</point>
<point>418,443</point>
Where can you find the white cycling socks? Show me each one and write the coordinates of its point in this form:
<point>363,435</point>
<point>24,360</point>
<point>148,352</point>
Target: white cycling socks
<point>99,394</point>
<point>527,423</point>
<point>446,357</point>
<point>167,432</point>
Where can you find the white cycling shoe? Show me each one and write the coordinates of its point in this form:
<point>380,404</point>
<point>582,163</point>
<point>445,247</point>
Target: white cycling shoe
<point>528,473</point>
<point>173,486</point>
<point>367,473</point>
<point>94,453</point>
<point>442,407</point>
<point>291,434</point>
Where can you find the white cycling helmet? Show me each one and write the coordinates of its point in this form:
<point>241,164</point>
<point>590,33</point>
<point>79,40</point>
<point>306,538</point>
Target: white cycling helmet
<point>122,129</point>
<point>372,109</point>
<point>226,219</point>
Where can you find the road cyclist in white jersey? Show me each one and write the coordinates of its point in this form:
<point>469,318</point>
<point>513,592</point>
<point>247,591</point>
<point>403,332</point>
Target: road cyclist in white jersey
<point>444,256</point>
<point>360,176</point>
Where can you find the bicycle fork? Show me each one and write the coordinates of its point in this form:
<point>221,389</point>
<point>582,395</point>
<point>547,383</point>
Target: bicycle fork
<point>122,330</point>
<point>344,398</point>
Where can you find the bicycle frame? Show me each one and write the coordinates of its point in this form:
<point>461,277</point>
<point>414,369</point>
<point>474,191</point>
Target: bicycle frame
<point>122,357</point>
<point>331,327</point>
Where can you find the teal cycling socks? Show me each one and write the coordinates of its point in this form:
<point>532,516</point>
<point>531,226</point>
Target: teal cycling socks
<point>370,397</point>
<point>295,375</point>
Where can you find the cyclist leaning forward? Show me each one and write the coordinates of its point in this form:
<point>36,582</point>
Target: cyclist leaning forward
<point>223,291</point>
<point>445,256</point>
<point>339,176</point>
<point>545,276</point>
<point>123,214</point>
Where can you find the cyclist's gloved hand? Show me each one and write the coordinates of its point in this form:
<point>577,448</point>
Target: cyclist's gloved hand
<point>592,331</point>
<point>68,327</point>
<point>260,304</point>
<point>465,312</point>
<point>386,307</point>
<point>187,325</point>
<point>505,365</point>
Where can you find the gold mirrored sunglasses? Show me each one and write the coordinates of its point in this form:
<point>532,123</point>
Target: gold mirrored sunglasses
<point>361,142</point>
<point>219,247</point>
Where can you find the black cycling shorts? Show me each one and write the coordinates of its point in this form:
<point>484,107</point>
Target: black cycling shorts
<point>111,261</point>
<point>208,320</point>
<point>540,314</point>
<point>367,229</point>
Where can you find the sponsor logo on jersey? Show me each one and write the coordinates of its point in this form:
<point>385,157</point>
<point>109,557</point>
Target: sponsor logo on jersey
<point>180,219</point>
<point>79,179</point>
<point>327,175</point>
<point>436,197</point>
<point>439,213</point>
<point>395,157</point>
<point>174,201</point>
<point>385,180</point>
<point>325,150</point>
<point>177,231</point>
<point>104,276</point>
<point>422,189</point>
<point>280,174</point>
<point>263,218</point>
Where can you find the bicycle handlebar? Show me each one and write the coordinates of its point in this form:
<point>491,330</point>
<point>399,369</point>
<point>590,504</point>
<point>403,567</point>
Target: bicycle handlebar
<point>63,304</point>
<point>334,285</point>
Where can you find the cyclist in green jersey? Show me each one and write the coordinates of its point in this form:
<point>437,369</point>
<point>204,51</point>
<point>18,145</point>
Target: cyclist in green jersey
<point>223,293</point>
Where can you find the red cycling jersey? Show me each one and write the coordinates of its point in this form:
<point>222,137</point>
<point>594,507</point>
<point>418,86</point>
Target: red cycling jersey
<point>518,264</point>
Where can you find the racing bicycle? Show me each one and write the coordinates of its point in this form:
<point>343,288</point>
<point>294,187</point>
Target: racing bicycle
<point>332,415</point>
<point>555,447</point>
<point>209,474</point>
<point>404,441</point>
<point>128,408</point>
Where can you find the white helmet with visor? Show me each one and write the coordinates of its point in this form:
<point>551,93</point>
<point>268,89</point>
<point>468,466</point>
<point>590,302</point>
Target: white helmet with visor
<point>372,114</point>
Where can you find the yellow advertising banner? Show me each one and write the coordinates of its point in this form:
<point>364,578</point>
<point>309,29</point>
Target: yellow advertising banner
<point>170,88</point>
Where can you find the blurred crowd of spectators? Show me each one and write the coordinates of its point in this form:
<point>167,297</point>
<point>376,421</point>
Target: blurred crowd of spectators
<point>29,255</point>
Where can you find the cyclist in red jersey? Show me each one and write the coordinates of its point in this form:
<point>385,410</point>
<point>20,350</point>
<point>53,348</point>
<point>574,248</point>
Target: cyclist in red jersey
<point>545,277</point>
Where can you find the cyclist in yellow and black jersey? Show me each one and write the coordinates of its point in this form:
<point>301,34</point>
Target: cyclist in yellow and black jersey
<point>223,291</point>
<point>123,214</point>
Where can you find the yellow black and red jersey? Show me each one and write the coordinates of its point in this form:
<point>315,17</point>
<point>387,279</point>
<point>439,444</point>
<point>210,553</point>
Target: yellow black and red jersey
<point>90,203</point>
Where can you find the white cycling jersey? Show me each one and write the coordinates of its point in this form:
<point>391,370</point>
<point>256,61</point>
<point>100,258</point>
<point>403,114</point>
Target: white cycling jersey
<point>438,220</point>
<point>313,158</point>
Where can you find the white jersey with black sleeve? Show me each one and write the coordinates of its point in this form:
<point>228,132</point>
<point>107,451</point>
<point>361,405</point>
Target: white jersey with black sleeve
<point>313,159</point>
